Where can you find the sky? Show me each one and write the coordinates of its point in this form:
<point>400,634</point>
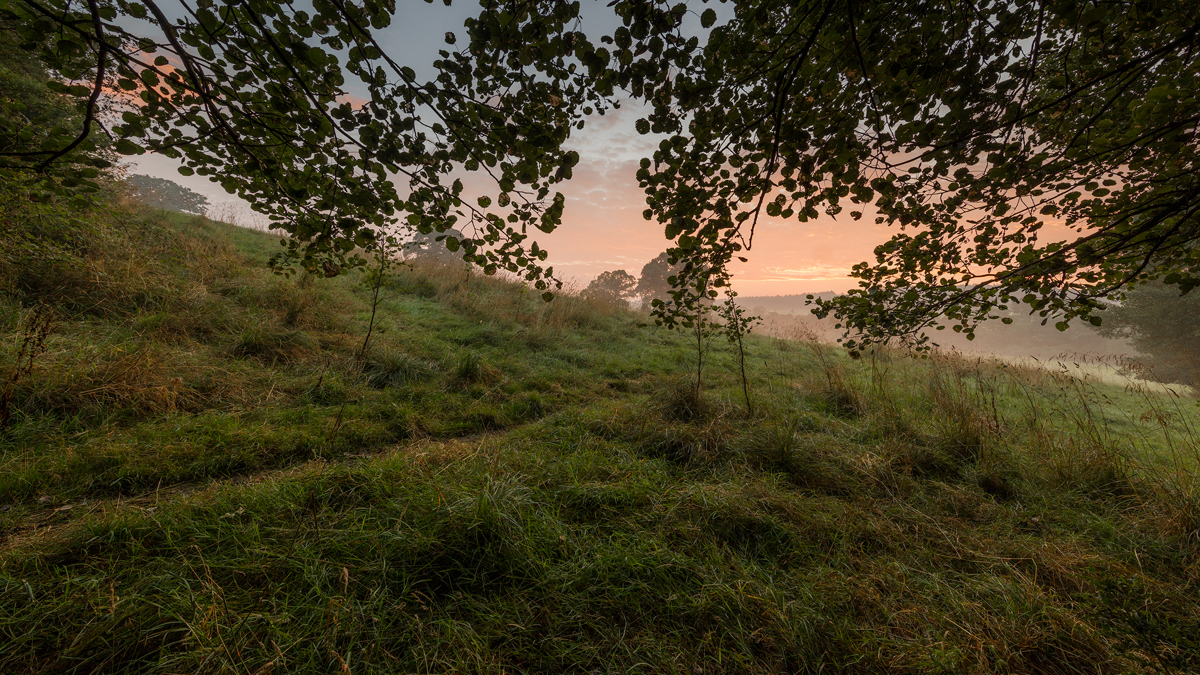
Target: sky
<point>603,228</point>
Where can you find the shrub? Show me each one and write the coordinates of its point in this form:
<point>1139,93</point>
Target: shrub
<point>526,407</point>
<point>778,449</point>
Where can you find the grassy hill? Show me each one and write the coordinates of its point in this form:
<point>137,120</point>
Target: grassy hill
<point>199,476</point>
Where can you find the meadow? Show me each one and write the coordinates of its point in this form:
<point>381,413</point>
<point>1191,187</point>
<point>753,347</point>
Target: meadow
<point>203,472</point>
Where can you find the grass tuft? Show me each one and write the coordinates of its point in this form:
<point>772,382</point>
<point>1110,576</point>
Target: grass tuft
<point>388,368</point>
<point>681,401</point>
<point>271,344</point>
<point>472,368</point>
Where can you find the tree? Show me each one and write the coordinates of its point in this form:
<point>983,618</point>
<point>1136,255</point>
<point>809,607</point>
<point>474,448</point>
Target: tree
<point>655,281</point>
<point>737,325</point>
<point>33,113</point>
<point>975,127</point>
<point>615,286</point>
<point>429,246</point>
<point>1161,324</point>
<point>167,194</point>
<point>253,94</point>
<point>44,215</point>
<point>972,126</point>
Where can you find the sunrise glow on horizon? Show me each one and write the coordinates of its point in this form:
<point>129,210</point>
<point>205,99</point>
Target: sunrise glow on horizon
<point>603,228</point>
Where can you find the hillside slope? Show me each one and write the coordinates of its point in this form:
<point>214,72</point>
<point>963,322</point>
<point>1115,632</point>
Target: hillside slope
<point>200,476</point>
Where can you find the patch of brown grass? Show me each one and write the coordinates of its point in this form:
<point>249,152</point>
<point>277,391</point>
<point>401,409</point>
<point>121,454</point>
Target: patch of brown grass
<point>145,377</point>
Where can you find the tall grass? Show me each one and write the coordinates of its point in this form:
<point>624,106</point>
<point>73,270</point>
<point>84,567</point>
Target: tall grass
<point>502,299</point>
<point>215,483</point>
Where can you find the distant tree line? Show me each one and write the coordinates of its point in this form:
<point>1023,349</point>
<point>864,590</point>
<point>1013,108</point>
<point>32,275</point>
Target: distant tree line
<point>1164,326</point>
<point>619,286</point>
<point>167,194</point>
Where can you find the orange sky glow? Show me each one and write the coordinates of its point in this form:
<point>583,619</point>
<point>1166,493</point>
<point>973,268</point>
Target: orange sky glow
<point>603,228</point>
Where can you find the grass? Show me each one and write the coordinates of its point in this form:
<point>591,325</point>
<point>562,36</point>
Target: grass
<point>208,480</point>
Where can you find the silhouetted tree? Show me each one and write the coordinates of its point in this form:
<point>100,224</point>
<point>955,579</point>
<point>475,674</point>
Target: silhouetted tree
<point>439,246</point>
<point>1161,324</point>
<point>615,286</point>
<point>655,281</point>
<point>167,194</point>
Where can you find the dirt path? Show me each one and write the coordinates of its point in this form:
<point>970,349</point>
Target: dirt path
<point>45,521</point>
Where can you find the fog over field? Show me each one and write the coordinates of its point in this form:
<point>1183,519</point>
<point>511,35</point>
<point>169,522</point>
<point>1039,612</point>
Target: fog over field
<point>1080,350</point>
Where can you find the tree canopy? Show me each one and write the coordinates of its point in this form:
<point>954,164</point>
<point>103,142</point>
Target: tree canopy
<point>1035,152</point>
<point>1030,152</point>
<point>264,98</point>
<point>655,280</point>
<point>613,286</point>
<point>167,194</point>
<point>1164,326</point>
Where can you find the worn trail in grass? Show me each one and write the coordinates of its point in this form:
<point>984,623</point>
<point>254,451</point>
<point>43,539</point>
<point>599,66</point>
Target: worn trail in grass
<point>509,486</point>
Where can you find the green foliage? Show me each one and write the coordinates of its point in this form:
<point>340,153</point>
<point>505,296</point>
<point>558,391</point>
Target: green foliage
<point>272,344</point>
<point>40,238</point>
<point>386,250</point>
<point>433,246</point>
<point>46,142</point>
<point>256,97</point>
<point>172,336</point>
<point>683,402</point>
<point>970,131</point>
<point>471,367</point>
<point>36,329</point>
<point>736,325</point>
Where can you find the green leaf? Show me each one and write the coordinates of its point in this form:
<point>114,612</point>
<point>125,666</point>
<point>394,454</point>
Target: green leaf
<point>126,147</point>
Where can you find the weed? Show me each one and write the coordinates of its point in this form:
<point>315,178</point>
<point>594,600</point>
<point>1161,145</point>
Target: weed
<point>966,412</point>
<point>526,407</point>
<point>683,445</point>
<point>737,325</point>
<point>772,448</point>
<point>837,393</point>
<point>778,449</point>
<point>296,303</point>
<point>1159,636</point>
<point>329,389</point>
